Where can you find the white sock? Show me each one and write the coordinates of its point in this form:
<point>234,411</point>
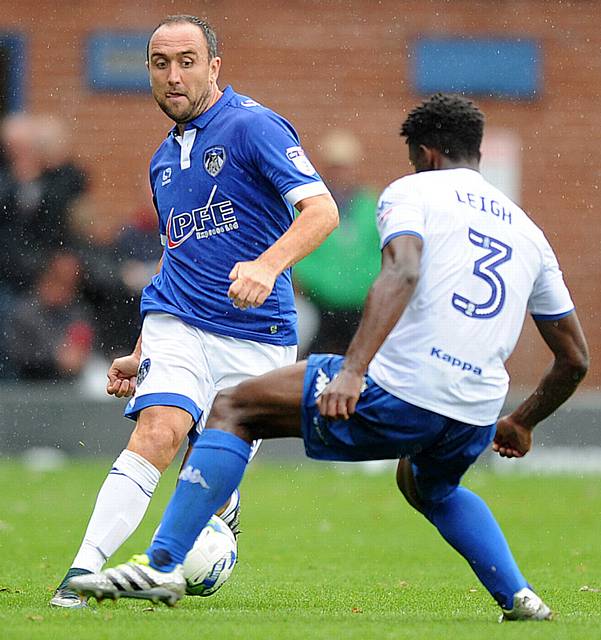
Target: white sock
<point>121,504</point>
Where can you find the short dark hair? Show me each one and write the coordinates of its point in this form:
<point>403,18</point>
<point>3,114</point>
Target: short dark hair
<point>450,123</point>
<point>203,25</point>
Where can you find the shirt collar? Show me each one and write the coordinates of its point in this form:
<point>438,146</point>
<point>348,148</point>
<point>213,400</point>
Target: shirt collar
<point>204,118</point>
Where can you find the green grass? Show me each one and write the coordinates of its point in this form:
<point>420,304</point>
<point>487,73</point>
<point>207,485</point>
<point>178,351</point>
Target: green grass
<point>324,554</point>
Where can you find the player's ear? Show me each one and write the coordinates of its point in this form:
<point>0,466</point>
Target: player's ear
<point>422,158</point>
<point>214,67</point>
<point>428,157</point>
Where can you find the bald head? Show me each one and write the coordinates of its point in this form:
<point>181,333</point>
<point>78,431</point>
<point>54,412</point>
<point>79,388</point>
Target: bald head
<point>207,31</point>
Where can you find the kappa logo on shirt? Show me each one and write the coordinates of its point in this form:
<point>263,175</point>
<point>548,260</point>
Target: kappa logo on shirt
<point>166,177</point>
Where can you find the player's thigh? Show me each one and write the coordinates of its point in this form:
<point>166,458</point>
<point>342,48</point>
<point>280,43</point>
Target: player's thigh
<point>383,427</point>
<point>437,471</point>
<point>262,407</point>
<point>233,360</point>
<point>174,371</point>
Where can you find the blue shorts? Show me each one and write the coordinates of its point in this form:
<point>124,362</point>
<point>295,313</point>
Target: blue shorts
<point>385,427</point>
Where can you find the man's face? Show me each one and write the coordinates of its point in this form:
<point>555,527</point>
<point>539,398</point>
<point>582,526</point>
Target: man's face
<point>182,77</point>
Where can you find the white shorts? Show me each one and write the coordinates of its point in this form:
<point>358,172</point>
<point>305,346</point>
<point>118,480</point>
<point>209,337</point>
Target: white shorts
<point>184,366</point>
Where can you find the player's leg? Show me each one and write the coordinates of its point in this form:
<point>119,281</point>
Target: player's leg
<point>126,492</point>
<point>171,374</point>
<point>232,361</point>
<point>268,406</point>
<point>431,485</point>
<point>406,484</point>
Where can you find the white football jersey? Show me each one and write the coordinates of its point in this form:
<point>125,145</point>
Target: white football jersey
<point>484,264</point>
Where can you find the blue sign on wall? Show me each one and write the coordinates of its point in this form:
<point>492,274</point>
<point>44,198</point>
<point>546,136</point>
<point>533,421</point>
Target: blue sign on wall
<point>12,49</point>
<point>493,67</point>
<point>116,61</point>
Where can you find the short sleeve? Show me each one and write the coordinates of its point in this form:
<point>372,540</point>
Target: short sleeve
<point>550,298</point>
<point>152,178</point>
<point>400,212</point>
<point>275,146</point>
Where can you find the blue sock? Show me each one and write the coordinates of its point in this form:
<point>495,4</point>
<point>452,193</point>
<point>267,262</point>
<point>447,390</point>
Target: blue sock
<point>212,472</point>
<point>466,523</point>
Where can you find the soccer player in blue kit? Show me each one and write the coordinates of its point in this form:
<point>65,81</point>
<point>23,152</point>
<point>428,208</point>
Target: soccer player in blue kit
<point>225,184</point>
<point>423,379</point>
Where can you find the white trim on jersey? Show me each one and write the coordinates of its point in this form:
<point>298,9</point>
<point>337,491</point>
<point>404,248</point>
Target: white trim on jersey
<point>186,143</point>
<point>306,191</point>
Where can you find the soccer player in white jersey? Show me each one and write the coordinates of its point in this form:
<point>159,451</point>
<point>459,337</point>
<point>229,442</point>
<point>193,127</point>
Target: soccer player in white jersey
<point>423,379</point>
<point>225,184</point>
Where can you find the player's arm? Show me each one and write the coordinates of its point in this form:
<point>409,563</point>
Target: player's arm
<point>123,371</point>
<point>386,301</point>
<point>567,342</point>
<point>253,281</point>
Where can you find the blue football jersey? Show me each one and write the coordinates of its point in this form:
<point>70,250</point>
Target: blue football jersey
<point>224,192</point>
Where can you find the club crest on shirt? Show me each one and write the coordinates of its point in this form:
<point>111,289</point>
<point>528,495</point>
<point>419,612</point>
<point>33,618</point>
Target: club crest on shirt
<point>214,159</point>
<point>143,371</point>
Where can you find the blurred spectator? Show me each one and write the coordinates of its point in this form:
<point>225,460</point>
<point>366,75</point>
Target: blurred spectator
<point>338,274</point>
<point>37,190</point>
<point>50,334</point>
<point>140,247</point>
<point>38,183</point>
<point>115,268</point>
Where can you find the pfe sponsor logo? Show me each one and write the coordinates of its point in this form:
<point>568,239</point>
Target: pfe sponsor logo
<point>204,222</point>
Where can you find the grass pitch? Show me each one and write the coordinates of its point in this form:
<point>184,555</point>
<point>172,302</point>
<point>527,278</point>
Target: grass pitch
<point>325,553</point>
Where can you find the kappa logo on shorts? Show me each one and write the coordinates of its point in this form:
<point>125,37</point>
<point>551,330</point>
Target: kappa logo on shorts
<point>143,371</point>
<point>323,380</point>
<point>214,159</point>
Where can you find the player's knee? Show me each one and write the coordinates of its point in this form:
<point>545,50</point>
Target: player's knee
<point>229,413</point>
<point>406,484</point>
<point>158,433</point>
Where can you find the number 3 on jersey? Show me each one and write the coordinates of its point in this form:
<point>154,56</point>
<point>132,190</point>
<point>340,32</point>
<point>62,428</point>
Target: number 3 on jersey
<point>486,268</point>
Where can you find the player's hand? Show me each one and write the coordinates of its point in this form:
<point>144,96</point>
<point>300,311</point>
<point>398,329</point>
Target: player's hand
<point>122,376</point>
<point>339,399</point>
<point>512,440</point>
<point>252,282</point>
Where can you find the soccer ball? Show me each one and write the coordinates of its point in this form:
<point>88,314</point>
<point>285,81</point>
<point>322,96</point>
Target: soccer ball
<point>211,560</point>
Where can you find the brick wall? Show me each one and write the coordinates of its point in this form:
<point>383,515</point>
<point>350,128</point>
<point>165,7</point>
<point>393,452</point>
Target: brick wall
<point>334,63</point>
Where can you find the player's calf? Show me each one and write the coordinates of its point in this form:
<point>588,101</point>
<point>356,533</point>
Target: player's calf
<point>406,484</point>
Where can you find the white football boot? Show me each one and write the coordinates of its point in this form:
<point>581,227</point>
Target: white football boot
<point>527,606</point>
<point>231,513</point>
<point>134,579</point>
